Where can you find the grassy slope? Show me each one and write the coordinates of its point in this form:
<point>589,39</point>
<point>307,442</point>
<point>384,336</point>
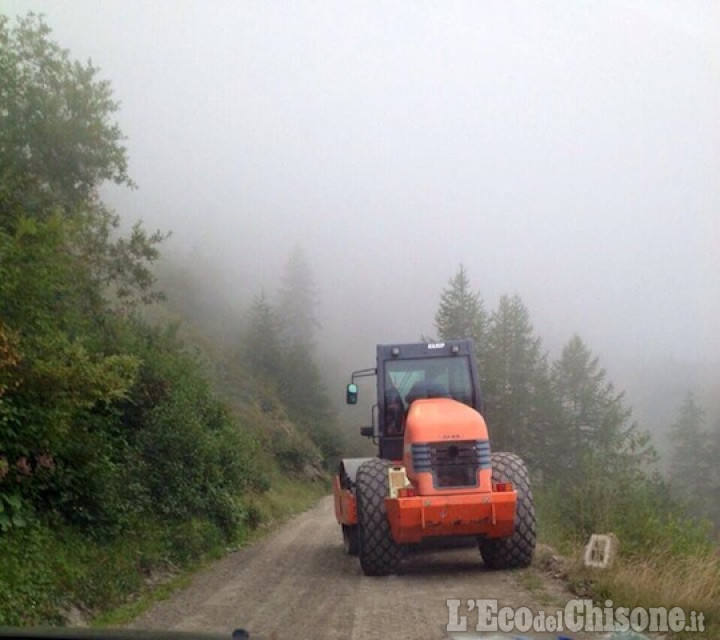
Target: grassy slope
<point>653,578</point>
<point>285,498</point>
<point>49,575</point>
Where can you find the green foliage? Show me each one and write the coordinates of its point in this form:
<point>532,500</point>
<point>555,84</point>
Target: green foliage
<point>278,347</point>
<point>594,426</point>
<point>44,570</point>
<point>261,343</point>
<point>116,456</point>
<point>103,419</point>
<point>591,463</point>
<point>643,514</point>
<point>514,372</point>
<point>57,137</point>
<point>303,392</point>
<point>27,576</point>
<point>194,456</point>
<point>58,383</point>
<point>195,459</point>
<point>256,403</point>
<point>460,313</point>
<point>58,143</point>
<point>692,461</point>
<point>712,507</point>
<point>593,412</point>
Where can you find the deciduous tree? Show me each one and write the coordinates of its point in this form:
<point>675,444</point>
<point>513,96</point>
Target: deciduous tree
<point>58,143</point>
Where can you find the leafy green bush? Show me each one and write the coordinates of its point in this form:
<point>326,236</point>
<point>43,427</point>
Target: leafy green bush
<point>193,456</point>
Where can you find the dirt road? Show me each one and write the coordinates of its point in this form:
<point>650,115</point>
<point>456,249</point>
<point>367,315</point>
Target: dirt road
<point>298,583</point>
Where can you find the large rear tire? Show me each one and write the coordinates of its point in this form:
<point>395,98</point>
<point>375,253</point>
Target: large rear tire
<point>379,554</point>
<point>517,550</point>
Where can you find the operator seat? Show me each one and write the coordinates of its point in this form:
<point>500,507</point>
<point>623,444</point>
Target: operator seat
<point>394,412</point>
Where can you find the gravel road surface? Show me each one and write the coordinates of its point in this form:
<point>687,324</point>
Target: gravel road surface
<point>298,583</point>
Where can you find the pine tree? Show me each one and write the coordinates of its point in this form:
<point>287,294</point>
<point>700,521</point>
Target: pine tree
<point>461,313</point>
<point>304,393</point>
<point>595,423</point>
<point>514,379</point>
<point>301,384</point>
<point>601,457</point>
<point>261,341</point>
<point>690,466</point>
<point>541,446</point>
<point>712,455</point>
<point>297,301</point>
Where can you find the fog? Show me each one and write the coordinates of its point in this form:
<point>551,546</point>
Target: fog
<point>568,152</point>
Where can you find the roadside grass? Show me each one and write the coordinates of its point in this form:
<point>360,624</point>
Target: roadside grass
<point>55,576</point>
<point>689,582</point>
<point>286,497</point>
<point>143,600</point>
<point>654,577</point>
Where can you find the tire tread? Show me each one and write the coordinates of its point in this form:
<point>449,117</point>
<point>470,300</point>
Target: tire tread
<point>515,551</point>
<point>379,554</point>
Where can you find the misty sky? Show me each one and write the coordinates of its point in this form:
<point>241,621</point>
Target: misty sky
<point>565,151</point>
